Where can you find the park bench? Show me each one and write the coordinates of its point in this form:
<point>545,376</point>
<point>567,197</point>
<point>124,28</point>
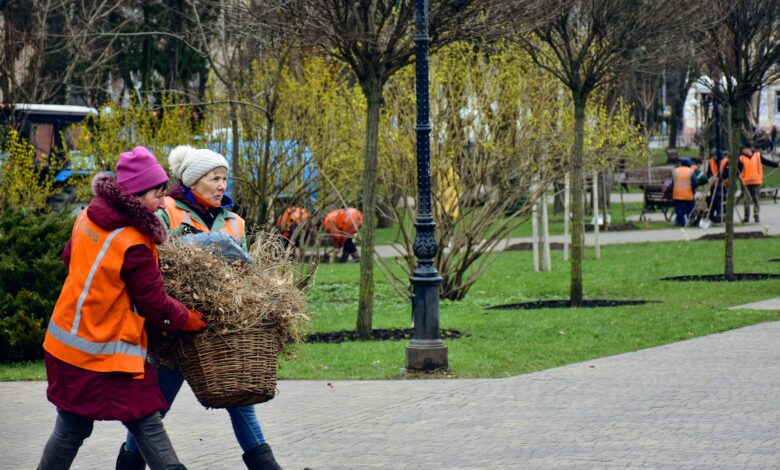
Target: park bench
<point>639,177</point>
<point>654,201</point>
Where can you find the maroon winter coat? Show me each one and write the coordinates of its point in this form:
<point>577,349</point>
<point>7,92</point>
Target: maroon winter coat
<point>116,395</point>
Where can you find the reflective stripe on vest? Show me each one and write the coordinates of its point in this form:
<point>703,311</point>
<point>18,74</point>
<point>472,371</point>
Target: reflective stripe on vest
<point>683,190</point>
<point>178,216</point>
<point>752,169</point>
<point>94,325</point>
<point>92,347</point>
<point>90,277</point>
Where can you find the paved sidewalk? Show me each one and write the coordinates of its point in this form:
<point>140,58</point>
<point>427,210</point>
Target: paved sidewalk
<point>770,222</point>
<point>708,403</point>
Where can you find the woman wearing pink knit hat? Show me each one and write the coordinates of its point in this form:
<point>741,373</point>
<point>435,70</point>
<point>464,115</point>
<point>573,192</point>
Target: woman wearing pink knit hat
<point>96,343</point>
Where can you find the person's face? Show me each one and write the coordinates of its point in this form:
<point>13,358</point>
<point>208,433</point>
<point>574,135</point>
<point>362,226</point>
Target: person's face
<point>747,151</point>
<point>212,185</point>
<point>153,199</point>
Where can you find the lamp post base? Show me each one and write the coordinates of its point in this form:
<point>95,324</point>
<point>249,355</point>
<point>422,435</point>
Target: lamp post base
<point>426,354</point>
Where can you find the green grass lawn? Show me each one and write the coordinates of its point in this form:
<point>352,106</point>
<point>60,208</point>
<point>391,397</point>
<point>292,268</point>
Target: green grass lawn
<point>659,156</point>
<point>502,343</point>
<point>772,177</point>
<point>508,342</point>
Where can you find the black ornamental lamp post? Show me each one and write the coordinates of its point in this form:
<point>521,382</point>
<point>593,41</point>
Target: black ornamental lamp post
<point>426,351</point>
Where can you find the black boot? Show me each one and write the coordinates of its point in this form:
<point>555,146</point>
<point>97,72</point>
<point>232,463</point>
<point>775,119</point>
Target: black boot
<point>261,458</point>
<point>127,460</point>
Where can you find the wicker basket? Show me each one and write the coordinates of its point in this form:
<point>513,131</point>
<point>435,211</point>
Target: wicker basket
<point>230,369</point>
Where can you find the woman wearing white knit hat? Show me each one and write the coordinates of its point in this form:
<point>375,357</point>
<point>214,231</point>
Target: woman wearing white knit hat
<point>197,202</point>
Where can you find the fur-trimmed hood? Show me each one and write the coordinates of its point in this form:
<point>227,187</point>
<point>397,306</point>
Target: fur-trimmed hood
<point>113,207</point>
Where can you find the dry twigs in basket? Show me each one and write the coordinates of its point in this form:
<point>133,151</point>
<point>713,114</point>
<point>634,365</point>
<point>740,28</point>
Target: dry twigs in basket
<point>233,295</point>
<point>252,311</point>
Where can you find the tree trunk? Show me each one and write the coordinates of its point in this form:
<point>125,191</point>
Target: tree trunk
<point>535,232</point>
<point>596,214</point>
<point>678,84</point>
<point>235,158</point>
<point>265,165</point>
<point>545,229</point>
<point>372,88</point>
<point>558,203</point>
<point>736,119</point>
<point>566,215</point>
<point>577,176</point>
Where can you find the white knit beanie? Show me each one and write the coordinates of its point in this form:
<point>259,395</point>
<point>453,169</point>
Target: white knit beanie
<point>190,164</point>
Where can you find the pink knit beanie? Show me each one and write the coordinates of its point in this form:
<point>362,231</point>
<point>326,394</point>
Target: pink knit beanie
<point>138,171</point>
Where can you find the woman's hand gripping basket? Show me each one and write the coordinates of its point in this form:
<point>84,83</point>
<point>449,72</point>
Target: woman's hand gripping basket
<point>253,310</point>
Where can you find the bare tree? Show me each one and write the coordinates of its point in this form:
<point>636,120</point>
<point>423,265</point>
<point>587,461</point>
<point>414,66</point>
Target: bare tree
<point>490,104</point>
<point>588,43</point>
<point>59,50</point>
<point>374,37</point>
<point>26,50</point>
<point>743,53</point>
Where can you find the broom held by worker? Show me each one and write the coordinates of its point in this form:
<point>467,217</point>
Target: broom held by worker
<point>197,202</point>
<point>96,342</point>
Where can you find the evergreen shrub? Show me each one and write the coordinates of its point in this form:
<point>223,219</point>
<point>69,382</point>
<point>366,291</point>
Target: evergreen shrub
<point>31,276</point>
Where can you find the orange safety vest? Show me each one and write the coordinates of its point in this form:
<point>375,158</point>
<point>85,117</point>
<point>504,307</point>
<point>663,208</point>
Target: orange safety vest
<point>683,190</point>
<point>718,171</point>
<point>94,325</point>
<point>752,169</point>
<point>292,215</point>
<point>343,223</point>
<point>177,215</point>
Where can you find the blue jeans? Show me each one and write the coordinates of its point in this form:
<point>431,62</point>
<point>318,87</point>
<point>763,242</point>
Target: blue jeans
<point>70,431</point>
<point>246,427</point>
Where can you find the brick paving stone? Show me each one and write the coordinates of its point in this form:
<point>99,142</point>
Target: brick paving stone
<point>708,403</point>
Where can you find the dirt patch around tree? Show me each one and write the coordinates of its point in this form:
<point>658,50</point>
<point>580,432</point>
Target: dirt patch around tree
<point>722,277</point>
<point>379,334</point>
<point>737,236</point>
<point>590,303</point>
<point>614,227</point>
<point>528,246</point>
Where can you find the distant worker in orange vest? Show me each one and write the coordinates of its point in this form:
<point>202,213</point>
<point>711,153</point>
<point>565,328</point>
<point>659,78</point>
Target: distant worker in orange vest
<point>751,169</point>
<point>718,174</point>
<point>683,190</point>
<point>96,343</point>
<point>342,224</point>
<point>293,224</point>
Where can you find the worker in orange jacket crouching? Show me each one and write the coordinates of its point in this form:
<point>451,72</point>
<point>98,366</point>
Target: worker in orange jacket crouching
<point>342,224</point>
